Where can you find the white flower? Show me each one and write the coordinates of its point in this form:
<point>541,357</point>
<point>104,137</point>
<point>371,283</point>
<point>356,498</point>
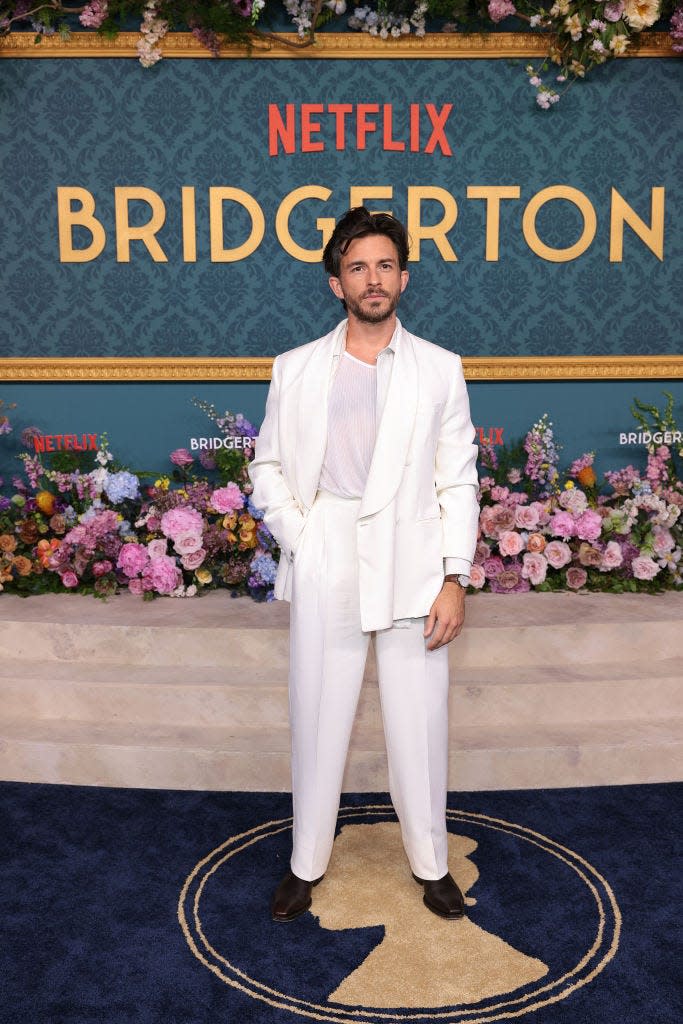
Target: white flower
<point>535,81</point>
<point>573,26</point>
<point>618,44</point>
<point>641,14</point>
<point>535,20</point>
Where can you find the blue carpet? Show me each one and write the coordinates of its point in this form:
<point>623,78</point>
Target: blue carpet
<point>92,878</point>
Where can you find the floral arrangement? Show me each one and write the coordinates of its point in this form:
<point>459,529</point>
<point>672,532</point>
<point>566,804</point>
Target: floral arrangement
<point>101,529</point>
<point>581,33</point>
<point>540,531</point>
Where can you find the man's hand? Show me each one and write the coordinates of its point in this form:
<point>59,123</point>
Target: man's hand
<point>446,616</point>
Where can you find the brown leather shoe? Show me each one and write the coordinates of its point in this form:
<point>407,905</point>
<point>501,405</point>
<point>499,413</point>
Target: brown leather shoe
<point>442,896</point>
<point>292,897</point>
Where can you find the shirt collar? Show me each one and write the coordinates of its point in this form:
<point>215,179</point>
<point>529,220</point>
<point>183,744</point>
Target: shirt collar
<point>340,341</point>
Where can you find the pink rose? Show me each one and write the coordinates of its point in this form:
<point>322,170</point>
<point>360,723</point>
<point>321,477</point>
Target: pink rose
<point>643,568</point>
<point>477,577</point>
<point>612,556</point>
<point>543,512</point>
<point>136,587</point>
<point>576,577</point>
<point>558,554</point>
<point>535,543</point>
<point>132,559</point>
<point>526,517</point>
<point>562,525</point>
<point>69,579</point>
<point>510,543</point>
<point>662,541</point>
<point>193,559</point>
<point>227,499</point>
<point>573,500</point>
<point>482,552</point>
<point>181,520</point>
<point>492,567</point>
<point>589,556</point>
<point>186,543</point>
<point>164,574</point>
<point>588,525</point>
<point>157,548</point>
<point>534,568</point>
<point>101,568</point>
<point>181,457</point>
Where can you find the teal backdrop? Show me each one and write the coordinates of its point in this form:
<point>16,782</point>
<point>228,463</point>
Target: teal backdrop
<point>99,124</point>
<point>105,123</point>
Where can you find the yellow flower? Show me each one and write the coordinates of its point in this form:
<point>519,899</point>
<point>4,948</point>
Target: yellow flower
<point>163,483</point>
<point>569,484</point>
<point>230,521</point>
<point>203,576</point>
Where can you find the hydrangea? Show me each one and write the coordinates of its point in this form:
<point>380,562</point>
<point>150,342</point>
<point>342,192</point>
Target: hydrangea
<point>264,570</point>
<point>122,486</point>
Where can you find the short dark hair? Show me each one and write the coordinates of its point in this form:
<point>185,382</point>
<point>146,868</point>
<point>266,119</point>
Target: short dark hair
<point>357,223</point>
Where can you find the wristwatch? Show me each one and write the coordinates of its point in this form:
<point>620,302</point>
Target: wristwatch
<point>457,578</point>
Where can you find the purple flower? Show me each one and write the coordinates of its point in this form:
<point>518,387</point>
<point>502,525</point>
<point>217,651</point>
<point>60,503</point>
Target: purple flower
<point>492,567</point>
<point>499,9</point>
<point>510,580</point>
<point>614,10</point>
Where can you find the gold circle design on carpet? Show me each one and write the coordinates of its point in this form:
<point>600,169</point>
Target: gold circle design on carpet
<point>600,947</point>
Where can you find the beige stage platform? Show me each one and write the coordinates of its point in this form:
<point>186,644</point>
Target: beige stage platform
<point>547,690</point>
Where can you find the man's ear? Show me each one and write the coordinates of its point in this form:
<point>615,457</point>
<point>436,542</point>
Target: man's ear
<point>336,287</point>
<point>405,277</point>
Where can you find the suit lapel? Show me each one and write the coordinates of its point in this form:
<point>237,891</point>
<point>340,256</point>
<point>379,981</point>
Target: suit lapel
<point>394,431</point>
<point>311,433</point>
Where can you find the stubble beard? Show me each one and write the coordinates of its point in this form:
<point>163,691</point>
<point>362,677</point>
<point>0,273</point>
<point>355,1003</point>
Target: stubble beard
<point>373,316</point>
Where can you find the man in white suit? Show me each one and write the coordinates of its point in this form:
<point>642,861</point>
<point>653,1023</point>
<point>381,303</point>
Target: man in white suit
<point>365,468</point>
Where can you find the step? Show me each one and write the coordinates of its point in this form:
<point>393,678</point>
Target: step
<point>208,695</point>
<point>482,758</point>
<point>501,631</point>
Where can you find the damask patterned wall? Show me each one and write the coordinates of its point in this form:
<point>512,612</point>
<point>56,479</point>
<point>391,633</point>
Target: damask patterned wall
<point>105,123</point>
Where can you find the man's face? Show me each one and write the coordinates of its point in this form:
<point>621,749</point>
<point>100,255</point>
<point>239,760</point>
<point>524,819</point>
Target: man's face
<point>370,280</point>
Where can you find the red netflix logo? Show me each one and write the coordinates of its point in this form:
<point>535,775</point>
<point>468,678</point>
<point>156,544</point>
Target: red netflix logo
<point>490,435</point>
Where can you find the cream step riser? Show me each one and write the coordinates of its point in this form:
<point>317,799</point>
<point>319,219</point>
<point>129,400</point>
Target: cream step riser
<point>498,647</point>
<point>263,706</point>
<point>197,769</point>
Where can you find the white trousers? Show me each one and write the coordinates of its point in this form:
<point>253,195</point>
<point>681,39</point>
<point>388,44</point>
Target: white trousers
<point>328,651</point>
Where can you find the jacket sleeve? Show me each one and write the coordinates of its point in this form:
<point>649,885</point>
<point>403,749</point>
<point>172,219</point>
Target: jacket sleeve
<point>281,512</point>
<point>456,473</point>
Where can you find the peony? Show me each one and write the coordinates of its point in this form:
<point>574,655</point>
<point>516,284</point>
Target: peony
<point>562,524</point>
<point>227,499</point>
<point>643,568</point>
<point>534,568</point>
<point>184,519</point>
<point>69,579</point>
<point>163,574</point>
<point>535,543</point>
<point>193,559</point>
<point>102,568</point>
<point>510,543</point>
<point>477,577</point>
<point>132,558</point>
<point>558,554</point>
<point>612,557</point>
<point>588,525</point>
<point>576,577</point>
<point>186,543</point>
<point>641,14</point>
<point>526,517</point>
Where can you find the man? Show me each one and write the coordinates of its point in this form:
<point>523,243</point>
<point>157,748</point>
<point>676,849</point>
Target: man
<point>365,468</point>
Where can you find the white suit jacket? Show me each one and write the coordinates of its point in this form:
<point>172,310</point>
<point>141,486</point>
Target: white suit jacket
<point>419,505</point>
